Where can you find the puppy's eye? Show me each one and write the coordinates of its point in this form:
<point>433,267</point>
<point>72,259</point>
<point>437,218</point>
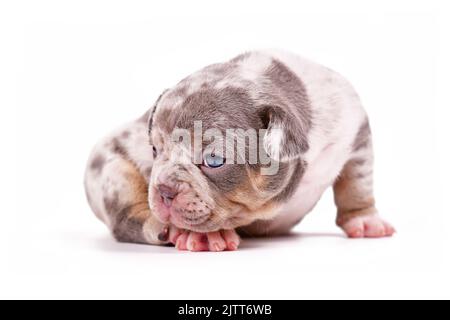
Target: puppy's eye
<point>155,152</point>
<point>213,161</point>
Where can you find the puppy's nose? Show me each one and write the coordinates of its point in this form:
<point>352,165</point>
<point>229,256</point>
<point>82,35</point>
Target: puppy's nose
<point>168,193</point>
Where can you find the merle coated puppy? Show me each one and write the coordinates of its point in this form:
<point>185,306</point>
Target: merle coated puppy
<point>173,175</point>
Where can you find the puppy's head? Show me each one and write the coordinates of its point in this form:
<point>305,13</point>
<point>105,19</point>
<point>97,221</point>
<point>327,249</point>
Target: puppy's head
<point>215,158</point>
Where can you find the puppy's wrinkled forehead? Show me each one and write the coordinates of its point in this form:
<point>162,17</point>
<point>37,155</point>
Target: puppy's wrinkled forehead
<point>221,108</point>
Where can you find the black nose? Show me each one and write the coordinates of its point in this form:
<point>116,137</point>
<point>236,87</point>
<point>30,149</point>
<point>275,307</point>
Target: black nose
<point>167,192</point>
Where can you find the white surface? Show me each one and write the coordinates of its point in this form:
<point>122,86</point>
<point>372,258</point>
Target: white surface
<point>73,72</point>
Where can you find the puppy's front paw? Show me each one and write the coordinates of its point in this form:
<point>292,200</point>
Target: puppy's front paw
<point>155,232</point>
<point>367,226</point>
<point>211,241</point>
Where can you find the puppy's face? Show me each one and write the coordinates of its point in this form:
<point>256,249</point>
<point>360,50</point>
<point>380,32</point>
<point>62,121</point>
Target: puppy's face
<point>204,182</point>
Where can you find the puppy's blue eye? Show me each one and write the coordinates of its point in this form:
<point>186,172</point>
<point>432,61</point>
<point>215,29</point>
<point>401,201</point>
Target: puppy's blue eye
<point>213,161</point>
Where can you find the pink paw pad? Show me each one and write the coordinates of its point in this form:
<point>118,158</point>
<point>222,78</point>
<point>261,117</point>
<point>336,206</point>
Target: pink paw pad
<point>370,226</point>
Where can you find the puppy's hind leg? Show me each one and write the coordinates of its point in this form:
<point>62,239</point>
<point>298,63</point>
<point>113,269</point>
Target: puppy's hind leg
<point>353,192</point>
<point>118,194</point>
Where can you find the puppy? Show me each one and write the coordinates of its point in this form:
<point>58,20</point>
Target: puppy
<point>175,176</point>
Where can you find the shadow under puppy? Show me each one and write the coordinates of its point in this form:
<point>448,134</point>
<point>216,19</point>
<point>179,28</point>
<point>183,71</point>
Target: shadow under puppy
<point>148,185</point>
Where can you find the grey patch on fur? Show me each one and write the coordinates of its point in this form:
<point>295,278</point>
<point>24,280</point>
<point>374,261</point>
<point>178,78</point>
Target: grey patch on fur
<point>362,138</point>
<point>294,180</point>
<point>118,148</point>
<point>288,94</point>
<point>230,107</point>
<point>97,164</point>
<point>128,229</point>
<point>112,205</point>
<point>228,179</point>
<point>125,228</point>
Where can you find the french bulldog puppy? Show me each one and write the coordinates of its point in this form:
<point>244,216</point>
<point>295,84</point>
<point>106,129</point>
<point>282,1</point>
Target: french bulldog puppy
<point>173,175</point>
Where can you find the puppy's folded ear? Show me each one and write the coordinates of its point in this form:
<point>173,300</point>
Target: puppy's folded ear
<point>286,135</point>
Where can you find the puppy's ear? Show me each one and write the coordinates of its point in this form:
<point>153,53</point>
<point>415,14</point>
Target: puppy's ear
<point>152,111</point>
<point>285,136</point>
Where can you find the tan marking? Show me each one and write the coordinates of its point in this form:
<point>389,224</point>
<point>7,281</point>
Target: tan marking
<point>138,192</point>
<point>352,195</point>
<point>253,202</point>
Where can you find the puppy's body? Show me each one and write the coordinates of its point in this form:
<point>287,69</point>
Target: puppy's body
<point>338,117</point>
<point>324,125</point>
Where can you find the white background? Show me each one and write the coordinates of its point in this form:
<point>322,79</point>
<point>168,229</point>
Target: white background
<point>73,71</point>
